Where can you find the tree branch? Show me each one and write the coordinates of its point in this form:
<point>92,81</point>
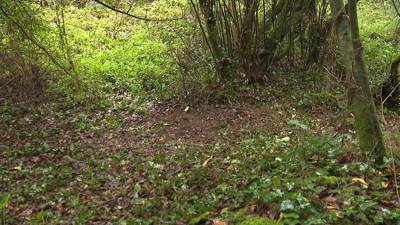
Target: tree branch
<point>35,42</point>
<point>136,17</point>
<point>395,7</point>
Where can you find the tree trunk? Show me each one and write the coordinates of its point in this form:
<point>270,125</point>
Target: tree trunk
<point>223,63</point>
<point>366,119</point>
<point>282,29</point>
<point>390,88</point>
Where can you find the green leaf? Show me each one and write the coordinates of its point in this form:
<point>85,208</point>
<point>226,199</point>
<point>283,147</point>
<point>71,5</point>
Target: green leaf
<point>287,204</point>
<point>364,206</point>
<point>292,215</point>
<point>60,182</point>
<point>138,187</point>
<point>362,217</point>
<point>197,219</point>
<point>297,123</point>
<point>3,202</point>
<point>320,172</point>
<point>42,215</point>
<point>290,222</point>
<point>222,186</point>
<point>377,218</point>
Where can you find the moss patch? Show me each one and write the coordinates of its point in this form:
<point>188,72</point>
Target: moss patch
<point>240,216</point>
<point>329,181</point>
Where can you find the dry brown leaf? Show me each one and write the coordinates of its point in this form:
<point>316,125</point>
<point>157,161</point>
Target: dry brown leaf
<point>8,206</point>
<point>206,162</point>
<point>331,199</point>
<point>252,208</point>
<point>59,205</point>
<point>219,222</point>
<point>391,171</point>
<point>253,215</point>
<point>346,203</point>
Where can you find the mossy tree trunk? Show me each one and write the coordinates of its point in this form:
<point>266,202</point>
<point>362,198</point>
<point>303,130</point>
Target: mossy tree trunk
<point>390,88</point>
<point>366,119</point>
<point>223,63</point>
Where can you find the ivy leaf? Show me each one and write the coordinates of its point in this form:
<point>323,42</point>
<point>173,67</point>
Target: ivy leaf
<point>364,206</point>
<point>320,172</point>
<point>297,123</point>
<point>287,204</point>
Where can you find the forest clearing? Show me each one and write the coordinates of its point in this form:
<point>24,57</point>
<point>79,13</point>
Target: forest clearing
<point>199,112</point>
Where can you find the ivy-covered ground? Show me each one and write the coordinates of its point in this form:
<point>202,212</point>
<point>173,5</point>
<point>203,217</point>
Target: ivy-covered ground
<point>198,162</point>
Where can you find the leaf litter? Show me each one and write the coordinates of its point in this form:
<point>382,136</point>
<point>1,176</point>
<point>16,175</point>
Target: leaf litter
<point>183,162</point>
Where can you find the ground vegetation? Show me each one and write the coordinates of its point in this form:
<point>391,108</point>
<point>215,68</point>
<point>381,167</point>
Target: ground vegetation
<point>128,118</point>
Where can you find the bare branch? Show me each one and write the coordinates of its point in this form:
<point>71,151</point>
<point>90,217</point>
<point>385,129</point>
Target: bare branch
<point>136,17</point>
<point>395,7</point>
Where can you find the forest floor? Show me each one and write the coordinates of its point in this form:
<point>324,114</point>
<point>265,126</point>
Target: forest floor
<point>187,161</point>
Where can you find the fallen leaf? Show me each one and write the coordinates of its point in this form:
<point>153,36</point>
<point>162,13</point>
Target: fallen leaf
<point>385,184</point>
<point>346,203</point>
<point>8,206</point>
<point>332,208</point>
<point>219,222</point>
<point>331,199</point>
<point>253,215</point>
<point>252,208</point>
<point>359,180</point>
<point>281,215</point>
<point>206,162</point>
<point>230,167</point>
<point>391,171</point>
<point>224,210</point>
<point>340,214</point>
<point>17,168</point>
<point>21,206</point>
<point>59,205</point>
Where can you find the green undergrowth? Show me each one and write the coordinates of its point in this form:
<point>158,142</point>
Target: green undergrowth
<point>107,52</point>
<point>114,51</point>
<point>380,36</point>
